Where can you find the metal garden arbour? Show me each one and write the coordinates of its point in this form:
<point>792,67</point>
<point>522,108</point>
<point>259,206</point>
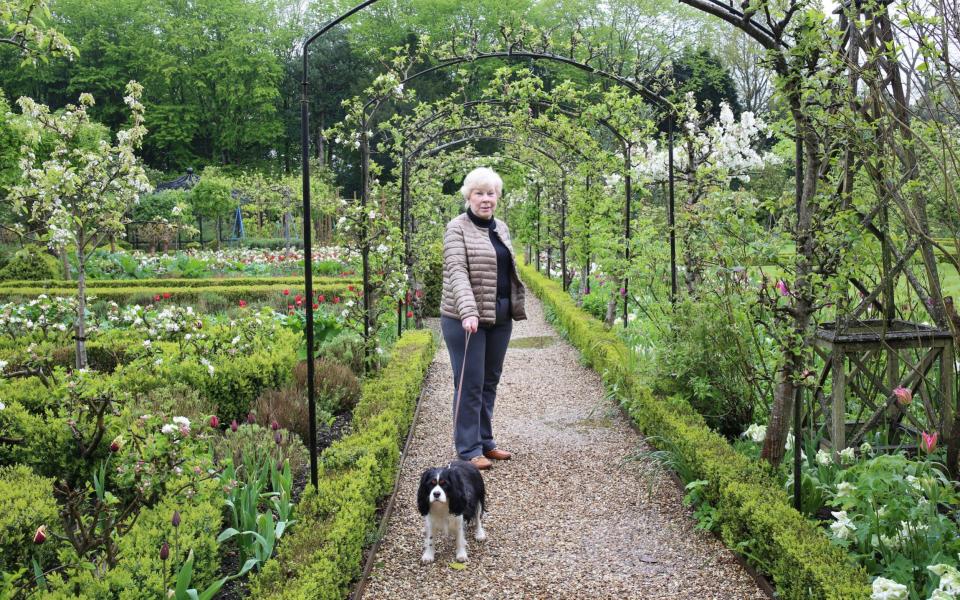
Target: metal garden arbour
<point>365,153</point>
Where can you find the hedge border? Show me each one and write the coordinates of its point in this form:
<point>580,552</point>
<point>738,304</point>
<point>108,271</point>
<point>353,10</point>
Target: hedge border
<point>175,282</point>
<point>754,513</point>
<point>230,292</point>
<point>323,555</point>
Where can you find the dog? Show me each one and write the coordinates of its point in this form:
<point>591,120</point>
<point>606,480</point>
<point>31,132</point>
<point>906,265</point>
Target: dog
<point>451,496</point>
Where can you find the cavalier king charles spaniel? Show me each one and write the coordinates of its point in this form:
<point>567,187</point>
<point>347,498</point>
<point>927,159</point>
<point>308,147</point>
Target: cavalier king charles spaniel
<point>449,497</point>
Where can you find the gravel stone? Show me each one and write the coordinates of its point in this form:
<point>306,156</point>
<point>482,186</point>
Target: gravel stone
<point>569,516</point>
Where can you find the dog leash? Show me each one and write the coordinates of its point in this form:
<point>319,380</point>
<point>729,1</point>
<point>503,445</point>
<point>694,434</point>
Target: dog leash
<point>456,407</point>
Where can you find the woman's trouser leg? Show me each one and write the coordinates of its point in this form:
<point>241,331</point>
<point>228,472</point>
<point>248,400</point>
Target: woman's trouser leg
<point>498,338</point>
<point>466,427</point>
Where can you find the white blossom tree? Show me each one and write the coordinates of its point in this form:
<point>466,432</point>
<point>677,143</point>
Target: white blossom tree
<point>81,193</point>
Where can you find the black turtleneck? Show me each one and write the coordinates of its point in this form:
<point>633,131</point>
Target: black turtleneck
<point>504,260</point>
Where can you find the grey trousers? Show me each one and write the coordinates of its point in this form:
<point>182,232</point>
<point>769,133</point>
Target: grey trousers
<point>473,429</point>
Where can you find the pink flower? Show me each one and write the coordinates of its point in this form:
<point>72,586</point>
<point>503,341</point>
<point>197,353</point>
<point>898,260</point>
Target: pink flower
<point>41,535</point>
<point>233,425</point>
<point>904,395</point>
<point>214,422</point>
<point>929,442</point>
<point>623,291</point>
<point>782,288</point>
<point>251,418</point>
<point>243,303</point>
<point>322,298</point>
<point>165,551</point>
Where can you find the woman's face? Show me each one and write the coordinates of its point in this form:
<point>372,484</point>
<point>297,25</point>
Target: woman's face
<point>483,202</point>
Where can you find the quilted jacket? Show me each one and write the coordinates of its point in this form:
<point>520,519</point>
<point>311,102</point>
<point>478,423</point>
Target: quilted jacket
<point>470,273</point>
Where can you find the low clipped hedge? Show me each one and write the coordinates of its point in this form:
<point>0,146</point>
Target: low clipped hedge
<point>323,554</point>
<point>754,513</point>
<point>145,294</point>
<point>26,503</point>
<point>292,282</point>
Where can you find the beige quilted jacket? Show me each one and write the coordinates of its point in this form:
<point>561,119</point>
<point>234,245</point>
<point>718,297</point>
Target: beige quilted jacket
<point>470,273</point>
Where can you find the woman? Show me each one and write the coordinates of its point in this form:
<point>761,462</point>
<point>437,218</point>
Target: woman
<point>482,295</point>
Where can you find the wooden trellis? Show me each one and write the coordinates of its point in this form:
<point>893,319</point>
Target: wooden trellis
<point>868,360</point>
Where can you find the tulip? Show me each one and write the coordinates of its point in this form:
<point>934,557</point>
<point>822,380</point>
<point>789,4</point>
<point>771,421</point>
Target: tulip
<point>156,298</point>
<point>929,442</point>
<point>315,306</point>
<point>274,425</point>
<point>41,535</point>
<point>277,437</point>
<point>350,288</point>
<point>242,303</point>
<point>165,551</point>
<point>904,395</point>
<point>419,293</point>
<point>214,422</point>
<point>251,418</point>
<point>782,288</point>
<point>286,292</point>
<point>175,520</point>
<point>166,295</point>
<point>116,444</point>
<point>322,298</point>
<point>336,299</point>
<point>623,291</point>
<point>409,314</point>
<point>233,425</point>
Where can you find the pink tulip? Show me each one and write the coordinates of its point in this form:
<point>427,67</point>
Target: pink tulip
<point>904,395</point>
<point>214,422</point>
<point>929,443</point>
<point>782,288</point>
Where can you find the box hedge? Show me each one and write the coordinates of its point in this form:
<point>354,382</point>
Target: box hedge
<point>145,294</point>
<point>754,513</point>
<point>294,283</point>
<point>322,556</point>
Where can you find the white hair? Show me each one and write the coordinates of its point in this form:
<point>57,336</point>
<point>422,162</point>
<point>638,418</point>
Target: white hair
<point>481,178</point>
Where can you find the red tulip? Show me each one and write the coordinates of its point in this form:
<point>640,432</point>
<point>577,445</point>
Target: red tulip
<point>336,299</point>
<point>116,444</point>
<point>350,287</point>
<point>315,306</point>
<point>242,304</point>
<point>419,293</point>
<point>274,425</point>
<point>156,298</point>
<point>322,298</point>
<point>41,535</point>
<point>286,292</point>
<point>233,425</point>
<point>214,422</point>
<point>166,295</point>
<point>409,314</point>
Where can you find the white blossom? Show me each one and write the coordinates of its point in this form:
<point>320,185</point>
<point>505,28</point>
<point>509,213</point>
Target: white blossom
<point>823,458</point>
<point>887,589</point>
<point>756,432</point>
<point>843,526</point>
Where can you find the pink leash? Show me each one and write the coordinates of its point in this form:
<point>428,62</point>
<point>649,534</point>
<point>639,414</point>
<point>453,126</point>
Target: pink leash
<point>456,408</point>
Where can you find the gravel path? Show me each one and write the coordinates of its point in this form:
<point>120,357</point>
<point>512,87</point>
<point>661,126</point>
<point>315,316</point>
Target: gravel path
<point>568,516</point>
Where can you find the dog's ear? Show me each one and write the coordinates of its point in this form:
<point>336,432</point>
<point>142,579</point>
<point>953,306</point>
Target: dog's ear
<point>423,492</point>
<point>456,497</point>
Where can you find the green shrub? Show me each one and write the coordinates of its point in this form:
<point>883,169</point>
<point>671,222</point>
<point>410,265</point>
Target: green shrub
<point>345,348</point>
<point>293,283</point>
<point>753,512</point>
<point>145,295</point>
<point>30,263</point>
<point>323,554</point>
<point>26,503</point>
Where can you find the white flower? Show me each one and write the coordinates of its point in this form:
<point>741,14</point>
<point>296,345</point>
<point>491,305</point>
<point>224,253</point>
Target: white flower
<point>844,488</point>
<point>848,456</point>
<point>3,365</point>
<point>2,406</point>
<point>843,526</point>
<point>949,579</point>
<point>146,343</point>
<point>182,421</point>
<point>823,458</point>
<point>887,589</point>
<point>756,432</point>
<point>169,428</point>
<point>235,340</point>
<point>866,448</point>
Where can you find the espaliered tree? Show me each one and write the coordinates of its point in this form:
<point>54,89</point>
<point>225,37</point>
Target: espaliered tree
<point>79,196</point>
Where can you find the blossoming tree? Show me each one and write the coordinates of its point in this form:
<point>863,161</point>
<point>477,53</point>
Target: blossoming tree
<point>80,195</point>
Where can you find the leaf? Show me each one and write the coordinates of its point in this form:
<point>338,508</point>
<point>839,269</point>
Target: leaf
<point>226,534</point>
<point>458,566</point>
<point>185,575</point>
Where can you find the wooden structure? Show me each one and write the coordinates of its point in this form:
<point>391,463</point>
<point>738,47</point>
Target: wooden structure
<point>853,355</point>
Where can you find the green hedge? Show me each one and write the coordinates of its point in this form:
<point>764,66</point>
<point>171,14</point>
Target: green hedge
<point>292,282</point>
<point>323,554</point>
<point>130,295</point>
<point>754,513</point>
<point>26,503</point>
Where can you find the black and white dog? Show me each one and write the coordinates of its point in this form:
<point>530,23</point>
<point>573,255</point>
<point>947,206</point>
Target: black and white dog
<point>449,497</point>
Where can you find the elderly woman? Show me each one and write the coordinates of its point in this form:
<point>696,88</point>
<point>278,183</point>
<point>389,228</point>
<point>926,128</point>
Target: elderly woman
<point>482,296</point>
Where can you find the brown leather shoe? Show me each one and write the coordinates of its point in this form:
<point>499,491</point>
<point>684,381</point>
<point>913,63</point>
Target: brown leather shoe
<point>498,454</point>
<point>481,463</point>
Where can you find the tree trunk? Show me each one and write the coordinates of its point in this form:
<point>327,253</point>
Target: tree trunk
<point>81,330</point>
<point>66,264</point>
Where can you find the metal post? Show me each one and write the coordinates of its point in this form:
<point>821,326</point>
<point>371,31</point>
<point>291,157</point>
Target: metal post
<point>308,270</point>
<point>563,232</point>
<point>365,249</point>
<point>627,160</point>
<point>403,232</point>
<point>538,228</point>
<point>670,213</point>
